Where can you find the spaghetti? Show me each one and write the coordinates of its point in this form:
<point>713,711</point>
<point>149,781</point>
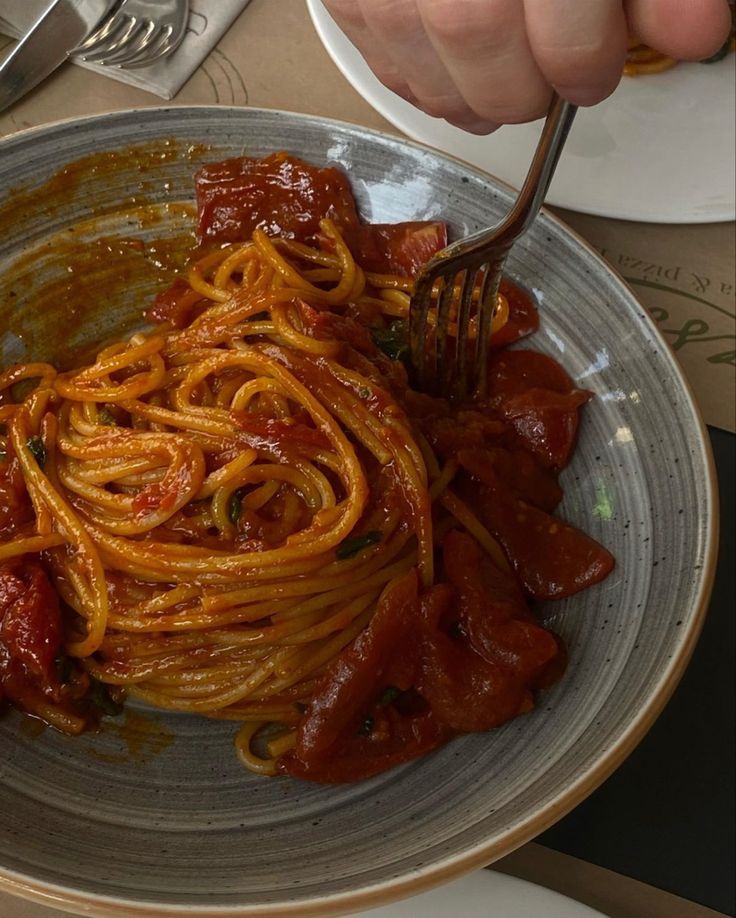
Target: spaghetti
<point>246,512</point>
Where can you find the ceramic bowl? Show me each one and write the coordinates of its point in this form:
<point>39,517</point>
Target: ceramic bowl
<point>154,816</point>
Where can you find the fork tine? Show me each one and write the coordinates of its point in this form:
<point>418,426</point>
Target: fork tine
<point>128,47</point>
<point>486,309</point>
<point>138,40</point>
<point>156,48</point>
<point>440,370</point>
<point>168,43</point>
<point>119,40</point>
<point>460,370</point>
<point>418,319</point>
<point>99,38</point>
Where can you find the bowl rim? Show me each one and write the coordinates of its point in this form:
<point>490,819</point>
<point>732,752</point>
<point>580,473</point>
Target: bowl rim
<point>485,853</point>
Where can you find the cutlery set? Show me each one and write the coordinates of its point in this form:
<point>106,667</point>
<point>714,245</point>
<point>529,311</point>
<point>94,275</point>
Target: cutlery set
<point>117,33</point>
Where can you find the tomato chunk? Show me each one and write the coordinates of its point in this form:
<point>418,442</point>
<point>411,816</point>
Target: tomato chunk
<point>349,731</point>
<point>523,474</point>
<point>175,304</point>
<point>30,624</point>
<point>514,372</point>
<point>494,613</point>
<point>279,194</point>
<point>396,248</point>
<point>523,316</point>
<point>546,423</point>
<point>551,558</point>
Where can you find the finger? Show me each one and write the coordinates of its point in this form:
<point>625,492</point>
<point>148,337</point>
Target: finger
<point>397,28</point>
<point>484,47</point>
<point>474,125</point>
<point>688,30</point>
<point>579,47</point>
<point>349,18</point>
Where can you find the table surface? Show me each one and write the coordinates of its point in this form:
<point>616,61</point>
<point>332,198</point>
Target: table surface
<point>666,816</point>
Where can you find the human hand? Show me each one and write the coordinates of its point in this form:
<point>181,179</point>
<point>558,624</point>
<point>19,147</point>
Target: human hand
<point>482,63</point>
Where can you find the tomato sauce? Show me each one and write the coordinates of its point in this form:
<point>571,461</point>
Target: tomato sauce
<point>467,654</point>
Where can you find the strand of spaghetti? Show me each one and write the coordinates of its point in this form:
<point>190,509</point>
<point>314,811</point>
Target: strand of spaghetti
<point>470,521</point>
<point>255,763</point>
<point>352,279</point>
<point>81,388</point>
<point>43,372</point>
<point>260,605</point>
<point>157,502</point>
<point>442,481</point>
<point>196,274</point>
<point>23,545</point>
<point>294,338</point>
<point>73,531</point>
<point>332,576</point>
<point>226,473</point>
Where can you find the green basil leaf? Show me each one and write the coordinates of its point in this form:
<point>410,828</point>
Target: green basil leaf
<point>393,340</point>
<point>351,547</point>
<point>38,450</point>
<point>104,416</point>
<point>234,506</point>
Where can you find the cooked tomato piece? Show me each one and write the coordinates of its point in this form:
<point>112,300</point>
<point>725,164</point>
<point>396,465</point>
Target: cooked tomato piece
<point>523,474</point>
<point>396,248</point>
<point>279,194</point>
<point>494,613</point>
<point>514,372</point>
<point>30,623</point>
<point>350,731</point>
<point>546,423</point>
<point>356,675</point>
<point>551,558</point>
<point>523,316</point>
<point>394,738</point>
<point>16,510</point>
<point>466,692</point>
<point>175,304</point>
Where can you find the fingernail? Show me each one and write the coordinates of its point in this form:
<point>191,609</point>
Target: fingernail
<point>475,126</point>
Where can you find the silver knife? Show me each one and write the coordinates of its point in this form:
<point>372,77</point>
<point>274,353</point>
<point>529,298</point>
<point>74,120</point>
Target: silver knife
<point>50,41</point>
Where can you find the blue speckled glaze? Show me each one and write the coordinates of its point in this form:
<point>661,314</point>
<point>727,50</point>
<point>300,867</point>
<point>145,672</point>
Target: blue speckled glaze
<point>185,830</point>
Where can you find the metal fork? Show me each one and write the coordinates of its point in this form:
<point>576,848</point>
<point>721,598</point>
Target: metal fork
<point>136,33</point>
<point>465,277</point>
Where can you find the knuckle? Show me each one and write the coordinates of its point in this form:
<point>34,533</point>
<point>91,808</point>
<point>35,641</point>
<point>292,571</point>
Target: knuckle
<point>397,18</point>
<point>346,12</point>
<point>449,106</point>
<point>466,28</point>
<point>519,111</point>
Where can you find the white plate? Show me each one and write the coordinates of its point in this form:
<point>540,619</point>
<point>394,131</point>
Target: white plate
<point>471,897</point>
<point>485,893</point>
<point>661,149</point>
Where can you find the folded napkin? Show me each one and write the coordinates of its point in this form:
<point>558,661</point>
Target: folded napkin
<point>208,22</point>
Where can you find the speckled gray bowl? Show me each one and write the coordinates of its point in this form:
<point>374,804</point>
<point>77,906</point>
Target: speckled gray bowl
<point>158,821</point>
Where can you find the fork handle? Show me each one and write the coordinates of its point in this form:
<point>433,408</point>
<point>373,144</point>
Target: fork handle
<point>557,126</point>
